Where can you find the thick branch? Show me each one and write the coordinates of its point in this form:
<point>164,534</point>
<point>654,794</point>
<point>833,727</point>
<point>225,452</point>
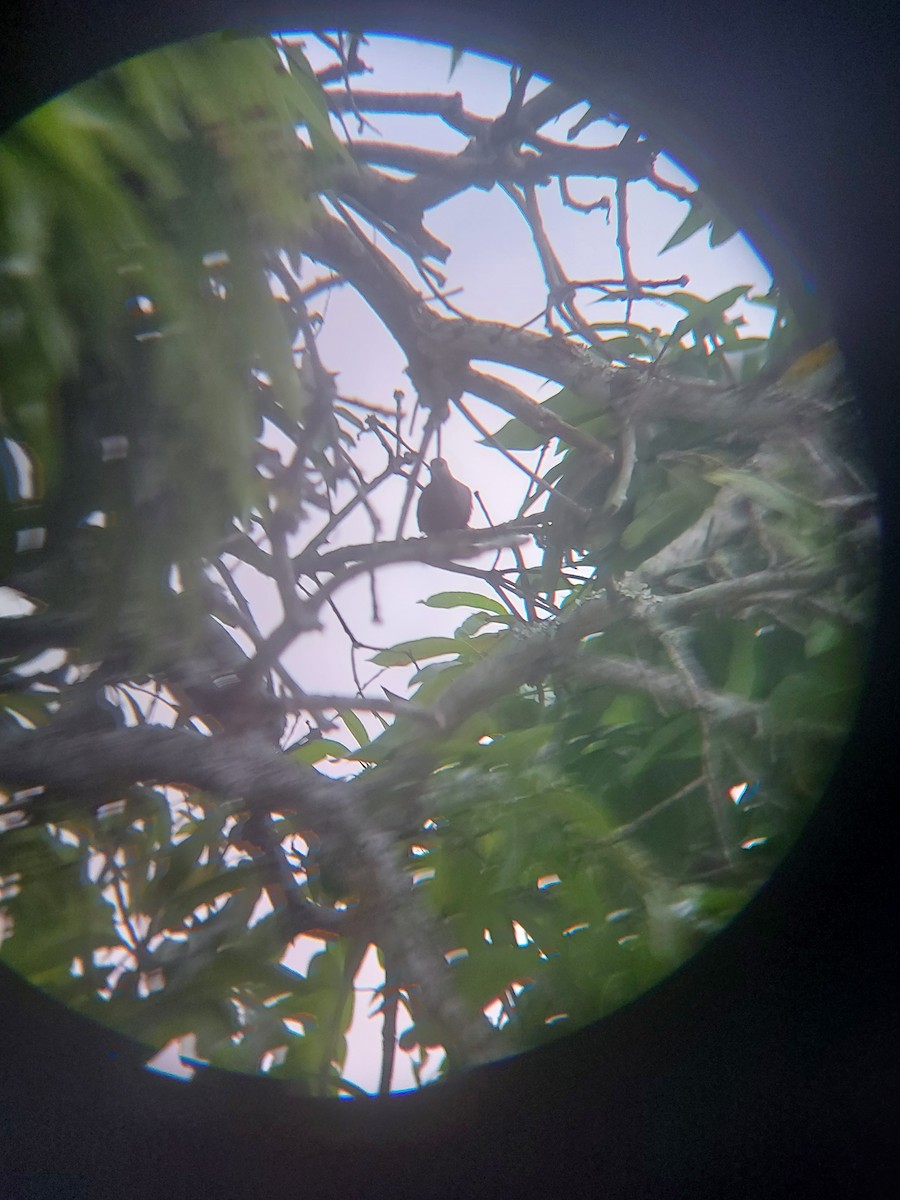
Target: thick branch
<point>243,768</point>
<point>449,108</point>
<point>435,550</point>
<point>482,165</point>
<point>424,335</point>
<point>666,687</point>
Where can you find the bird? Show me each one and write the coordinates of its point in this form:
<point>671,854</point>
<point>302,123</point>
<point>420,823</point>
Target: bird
<point>445,503</point>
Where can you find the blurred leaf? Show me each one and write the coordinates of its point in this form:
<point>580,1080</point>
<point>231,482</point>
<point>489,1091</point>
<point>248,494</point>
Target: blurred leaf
<point>823,635</point>
<point>705,317</point>
<point>721,231</point>
<point>566,404</point>
<point>674,509</point>
<point>206,884</point>
<point>476,621</point>
<point>433,680</point>
<point>32,708</point>
<point>405,654</point>
<point>466,600</point>
<point>698,215</point>
<point>625,710</point>
<point>812,700</point>
<point>455,56</point>
<point>355,726</point>
<point>741,678</point>
<point>763,491</point>
<point>623,348</point>
<point>679,730</point>
<point>318,748</point>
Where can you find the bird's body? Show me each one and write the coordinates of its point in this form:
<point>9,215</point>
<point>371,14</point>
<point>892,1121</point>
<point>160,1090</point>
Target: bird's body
<point>445,503</point>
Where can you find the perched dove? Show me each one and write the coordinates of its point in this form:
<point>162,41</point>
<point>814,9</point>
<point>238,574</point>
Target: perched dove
<point>445,503</point>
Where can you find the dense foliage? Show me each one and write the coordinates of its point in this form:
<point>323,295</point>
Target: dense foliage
<point>646,685</point>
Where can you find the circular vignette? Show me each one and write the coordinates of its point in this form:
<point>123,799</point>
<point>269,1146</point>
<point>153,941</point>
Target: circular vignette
<point>687,159</point>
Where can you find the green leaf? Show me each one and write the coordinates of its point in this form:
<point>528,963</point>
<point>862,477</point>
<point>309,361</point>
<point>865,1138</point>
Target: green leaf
<point>316,749</point>
<point>466,600</point>
<point>823,635</point>
<point>640,331</point>
<point>175,864</point>
<point>668,515</point>
<point>721,231</point>
<point>516,435</point>
<point>489,970</point>
<point>210,1021</point>
<point>406,654</point>
<point>702,212</point>
<point>209,882</point>
<point>813,700</point>
<point>476,621</point>
<point>763,491</point>
<point>704,316</point>
<point>355,726</point>
<point>567,404</point>
<point>581,812</point>
<point>383,746</point>
<point>313,107</point>
<point>435,683</point>
<point>625,347</point>
<point>625,710</point>
<point>32,707</point>
<point>698,216</point>
<point>741,678</point>
<point>681,729</point>
<point>516,749</point>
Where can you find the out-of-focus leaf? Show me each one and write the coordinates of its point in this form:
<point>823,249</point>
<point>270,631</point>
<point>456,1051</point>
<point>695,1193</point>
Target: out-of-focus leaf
<point>405,654</point>
<point>813,701</point>
<point>823,635</point>
<point>704,316</point>
<point>438,678</point>
<point>32,708</point>
<point>355,726</point>
<point>456,55</point>
<point>678,730</point>
<point>698,215</point>
<point>741,678</point>
<point>209,882</point>
<point>476,621</point>
<point>763,491</point>
<point>566,404</point>
<point>721,231</point>
<point>625,347</point>
<point>625,710</point>
<point>317,749</point>
<point>466,600</point>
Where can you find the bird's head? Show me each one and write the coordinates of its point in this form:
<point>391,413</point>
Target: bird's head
<point>438,466</point>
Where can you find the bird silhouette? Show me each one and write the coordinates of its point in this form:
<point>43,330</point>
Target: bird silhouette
<point>445,503</point>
